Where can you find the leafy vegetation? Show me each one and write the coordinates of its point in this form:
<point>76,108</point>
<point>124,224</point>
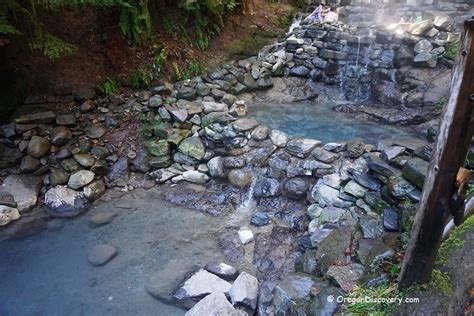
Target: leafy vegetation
<point>371,308</point>
<point>142,78</point>
<point>454,240</point>
<point>109,86</point>
<point>205,18</point>
<point>453,50</point>
<point>190,70</point>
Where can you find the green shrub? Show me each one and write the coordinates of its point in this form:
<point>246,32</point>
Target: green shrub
<point>109,86</point>
<point>141,78</point>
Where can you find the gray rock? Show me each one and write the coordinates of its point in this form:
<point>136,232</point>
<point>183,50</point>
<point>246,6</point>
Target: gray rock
<point>332,247</point>
<point>443,23</point>
<point>216,167</point>
<point>216,304</point>
<point>60,135</point>
<point>210,107</point>
<point>333,180</point>
<point>366,181</point>
<point>38,146</point>
<point>301,147</point>
<point>240,178</point>
<point>119,172</point>
<point>415,171</point>
<point>393,152</point>
<point>399,187</point>
<point>85,160</point>
<point>8,215</point>
<point>29,164</point>
<point>291,289</point>
<point>391,219</point>
<point>296,188</point>
<point>325,195</point>
<point>324,155</point>
<point>260,219</point>
<point>95,131</point>
<point>101,254</point>
<point>266,187</point>
<point>64,202</point>
<point>426,60</point>
<point>200,284</point>
<point>260,133</point>
<point>24,189</point>
<point>87,106</point>
<point>102,218</point>
<point>7,199</point>
<point>279,138</point>
<point>80,178</point>
<point>65,119</point>
<point>35,117</point>
<point>355,189</point>
<point>193,147</point>
<point>222,270</point>
<point>300,71</point>
<point>371,228</point>
<point>94,190</point>
<point>244,291</point>
<point>347,277</point>
<point>195,177</point>
<point>243,124</point>
<point>423,46</point>
<point>155,101</point>
<point>371,251</point>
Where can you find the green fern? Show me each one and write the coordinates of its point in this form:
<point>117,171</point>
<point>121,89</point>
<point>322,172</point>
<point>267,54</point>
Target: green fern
<point>109,86</point>
<point>141,78</point>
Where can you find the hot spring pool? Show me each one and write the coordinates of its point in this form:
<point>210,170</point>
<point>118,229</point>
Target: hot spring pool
<point>318,121</point>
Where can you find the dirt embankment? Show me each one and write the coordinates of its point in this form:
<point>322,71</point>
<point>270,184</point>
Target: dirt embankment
<point>103,53</point>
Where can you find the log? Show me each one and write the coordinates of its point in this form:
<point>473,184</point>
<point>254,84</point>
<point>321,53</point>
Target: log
<point>454,137</point>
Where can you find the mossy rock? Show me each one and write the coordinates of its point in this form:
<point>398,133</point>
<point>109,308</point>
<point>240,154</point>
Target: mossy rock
<point>193,147</point>
<point>13,91</point>
<point>158,148</point>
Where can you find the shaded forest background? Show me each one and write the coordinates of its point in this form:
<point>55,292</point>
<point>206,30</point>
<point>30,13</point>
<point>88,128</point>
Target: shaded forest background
<point>59,46</point>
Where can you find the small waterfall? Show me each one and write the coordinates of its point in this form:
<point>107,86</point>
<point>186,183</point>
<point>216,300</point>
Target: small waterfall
<point>249,203</point>
<point>358,50</point>
<point>355,79</point>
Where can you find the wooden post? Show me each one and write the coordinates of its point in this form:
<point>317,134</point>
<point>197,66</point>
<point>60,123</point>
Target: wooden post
<point>455,133</point>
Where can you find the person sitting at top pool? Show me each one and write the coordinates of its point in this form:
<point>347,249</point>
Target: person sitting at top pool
<point>332,15</point>
<point>316,16</point>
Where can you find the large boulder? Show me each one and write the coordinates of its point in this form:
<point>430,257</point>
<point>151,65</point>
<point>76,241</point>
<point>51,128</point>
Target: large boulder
<point>296,188</point>
<point>8,214</point>
<point>325,195</point>
<point>291,290</point>
<point>216,167</point>
<point>24,189</point>
<point>61,201</point>
<point>347,277</point>
<point>214,304</point>
<point>244,291</point>
<point>193,147</point>
<point>195,177</point>
<point>415,171</point>
<point>240,178</point>
<point>301,147</point>
<point>279,138</point>
<point>80,179</point>
<point>266,187</point>
<point>200,284</point>
<point>38,146</point>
